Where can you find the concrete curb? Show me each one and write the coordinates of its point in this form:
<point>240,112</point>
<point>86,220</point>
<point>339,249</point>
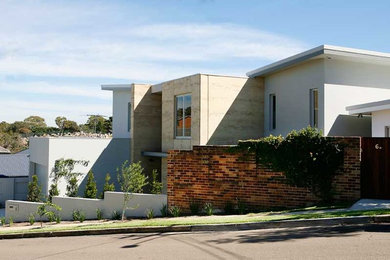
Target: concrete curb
<point>323,222</point>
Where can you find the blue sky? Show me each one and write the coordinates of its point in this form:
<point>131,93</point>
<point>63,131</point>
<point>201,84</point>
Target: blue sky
<point>54,55</point>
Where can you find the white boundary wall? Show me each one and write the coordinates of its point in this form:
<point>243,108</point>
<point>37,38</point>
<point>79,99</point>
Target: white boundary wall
<point>138,205</point>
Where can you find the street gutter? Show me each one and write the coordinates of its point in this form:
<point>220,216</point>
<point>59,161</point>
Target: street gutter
<point>320,222</point>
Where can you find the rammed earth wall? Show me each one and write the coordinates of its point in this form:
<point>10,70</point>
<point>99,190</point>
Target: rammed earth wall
<point>213,174</point>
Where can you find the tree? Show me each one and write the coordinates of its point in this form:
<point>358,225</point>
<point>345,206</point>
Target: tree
<point>71,126</point>
<point>48,209</point>
<point>60,122</point>
<point>156,185</point>
<point>35,121</point>
<point>90,188</point>
<point>131,180</point>
<point>97,124</point>
<point>72,188</point>
<point>34,190</point>
<point>107,185</point>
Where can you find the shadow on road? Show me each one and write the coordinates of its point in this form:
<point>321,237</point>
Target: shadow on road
<point>276,235</point>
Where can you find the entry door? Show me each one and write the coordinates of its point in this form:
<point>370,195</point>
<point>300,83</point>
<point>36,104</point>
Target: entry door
<point>375,168</point>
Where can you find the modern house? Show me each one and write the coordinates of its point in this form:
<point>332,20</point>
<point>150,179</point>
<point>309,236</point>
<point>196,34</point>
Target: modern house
<point>320,87</point>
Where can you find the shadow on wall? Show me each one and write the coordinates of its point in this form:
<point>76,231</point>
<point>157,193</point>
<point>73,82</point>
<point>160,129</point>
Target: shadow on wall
<point>112,157</point>
<point>346,125</point>
<point>244,118</point>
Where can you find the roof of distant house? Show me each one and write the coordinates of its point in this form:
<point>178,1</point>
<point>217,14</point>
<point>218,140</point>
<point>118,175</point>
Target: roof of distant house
<point>321,52</point>
<point>367,108</point>
<point>3,150</point>
<point>14,165</point>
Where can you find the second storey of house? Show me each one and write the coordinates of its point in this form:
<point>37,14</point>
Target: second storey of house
<point>315,88</point>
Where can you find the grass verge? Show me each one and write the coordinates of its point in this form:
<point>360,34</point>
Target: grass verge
<point>199,220</point>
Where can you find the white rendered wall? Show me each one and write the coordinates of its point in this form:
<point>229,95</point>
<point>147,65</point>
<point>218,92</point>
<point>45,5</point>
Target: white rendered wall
<point>121,99</point>
<point>380,119</point>
<point>350,83</point>
<point>292,90</point>
<point>45,151</point>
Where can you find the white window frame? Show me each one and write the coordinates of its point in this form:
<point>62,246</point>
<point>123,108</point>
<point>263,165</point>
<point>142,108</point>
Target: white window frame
<point>314,112</point>
<point>272,112</point>
<point>175,111</point>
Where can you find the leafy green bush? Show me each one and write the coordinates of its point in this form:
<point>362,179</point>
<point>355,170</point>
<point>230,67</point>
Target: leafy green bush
<point>149,213</point>
<point>194,207</point>
<point>53,191</point>
<point>306,158</point>
<point>49,210</point>
<point>116,215</point>
<point>31,219</point>
<point>90,188</point>
<point>58,219</point>
<point>81,216</point>
<point>164,210</point>
<point>175,211</point>
<point>76,215</point>
<point>51,216</point>
<point>208,209</point>
<point>99,214</point>
<point>10,221</point>
<point>2,221</point>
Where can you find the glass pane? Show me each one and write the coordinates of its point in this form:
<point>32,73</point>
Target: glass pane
<point>179,116</point>
<point>315,107</point>
<point>187,115</point>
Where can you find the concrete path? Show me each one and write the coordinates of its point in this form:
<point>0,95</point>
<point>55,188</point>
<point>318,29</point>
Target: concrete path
<point>368,204</point>
<point>345,242</point>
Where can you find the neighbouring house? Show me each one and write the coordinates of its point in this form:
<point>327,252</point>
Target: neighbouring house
<point>104,155</point>
<point>14,172</point>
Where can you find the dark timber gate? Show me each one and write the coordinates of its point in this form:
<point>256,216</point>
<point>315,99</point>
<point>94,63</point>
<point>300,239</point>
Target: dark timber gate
<point>375,168</point>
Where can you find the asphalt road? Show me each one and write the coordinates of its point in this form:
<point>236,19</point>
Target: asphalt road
<point>367,242</point>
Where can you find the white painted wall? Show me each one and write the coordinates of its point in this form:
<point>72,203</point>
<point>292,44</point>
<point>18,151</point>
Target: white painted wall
<point>292,90</point>
<point>44,151</point>
<point>120,113</point>
<point>380,119</point>
<point>138,205</point>
<point>350,83</point>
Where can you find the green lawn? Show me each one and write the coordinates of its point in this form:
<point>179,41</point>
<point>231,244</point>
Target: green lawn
<point>199,220</point>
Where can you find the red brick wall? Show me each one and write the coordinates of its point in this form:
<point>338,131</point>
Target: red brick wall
<point>212,174</point>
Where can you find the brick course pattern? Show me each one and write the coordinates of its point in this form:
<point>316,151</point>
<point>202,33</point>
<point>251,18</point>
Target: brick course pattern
<point>213,174</point>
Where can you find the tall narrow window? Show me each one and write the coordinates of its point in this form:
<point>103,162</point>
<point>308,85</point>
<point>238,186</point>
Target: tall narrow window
<point>272,111</point>
<point>128,116</point>
<point>183,116</point>
<point>314,107</point>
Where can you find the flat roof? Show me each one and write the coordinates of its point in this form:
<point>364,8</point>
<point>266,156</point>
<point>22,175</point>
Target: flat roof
<point>116,87</point>
<point>369,107</point>
<point>318,52</point>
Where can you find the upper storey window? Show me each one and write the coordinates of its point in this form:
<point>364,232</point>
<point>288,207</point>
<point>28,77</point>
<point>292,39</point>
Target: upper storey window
<point>183,116</point>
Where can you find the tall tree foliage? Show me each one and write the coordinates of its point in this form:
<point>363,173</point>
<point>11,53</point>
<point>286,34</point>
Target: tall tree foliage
<point>34,190</point>
<point>90,188</point>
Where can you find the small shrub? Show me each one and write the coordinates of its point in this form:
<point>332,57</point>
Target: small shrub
<point>99,214</point>
<point>58,219</point>
<point>31,219</point>
<point>90,187</point>
<point>34,190</point>
<point>72,188</point>
<point>2,221</point>
<point>149,213</point>
<point>53,191</point>
<point>76,215</point>
<point>107,185</point>
<point>116,215</point>
<point>11,221</point>
<point>164,210</point>
<point>174,211</point>
<point>48,209</point>
<point>229,208</point>
<point>81,217</point>
<point>156,185</point>
<point>208,209</point>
